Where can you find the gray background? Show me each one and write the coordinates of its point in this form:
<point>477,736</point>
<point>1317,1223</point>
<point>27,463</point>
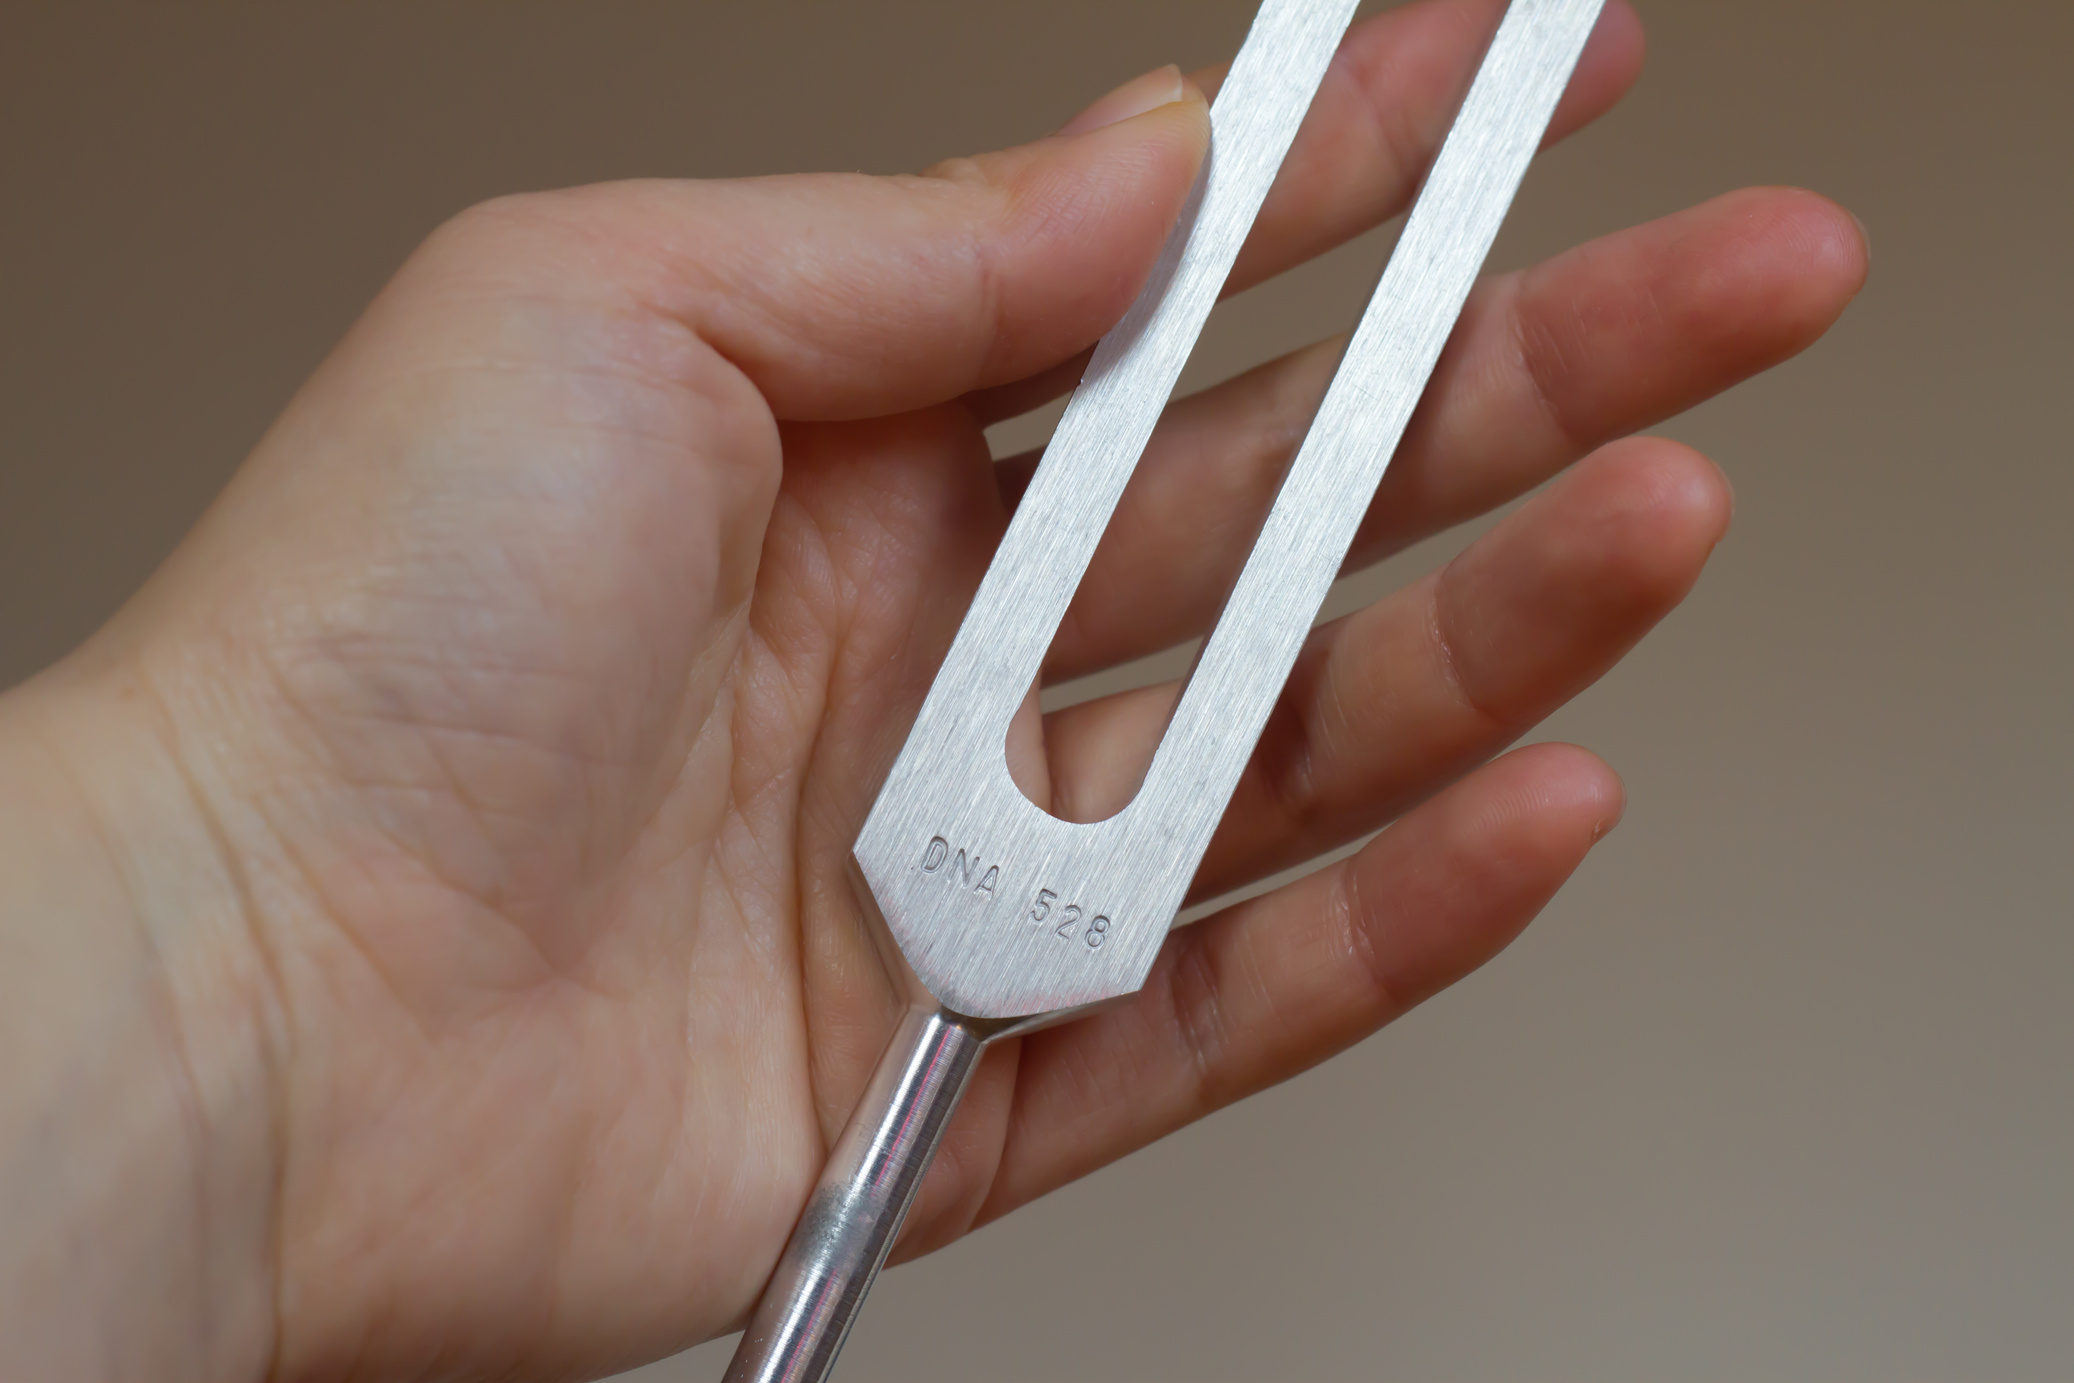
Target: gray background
<point>1778,1088</point>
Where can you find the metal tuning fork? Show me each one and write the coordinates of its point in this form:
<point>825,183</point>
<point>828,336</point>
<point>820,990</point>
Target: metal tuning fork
<point>1009,918</point>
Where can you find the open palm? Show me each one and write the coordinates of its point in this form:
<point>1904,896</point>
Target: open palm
<point>536,673</point>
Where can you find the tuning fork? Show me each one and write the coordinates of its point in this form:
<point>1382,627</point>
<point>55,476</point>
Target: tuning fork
<point>1005,917</point>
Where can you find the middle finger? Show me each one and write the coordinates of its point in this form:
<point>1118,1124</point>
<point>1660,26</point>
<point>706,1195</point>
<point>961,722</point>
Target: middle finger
<point>1544,365</point>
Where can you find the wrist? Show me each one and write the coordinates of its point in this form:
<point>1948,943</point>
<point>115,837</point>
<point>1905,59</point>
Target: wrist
<point>137,1027</point>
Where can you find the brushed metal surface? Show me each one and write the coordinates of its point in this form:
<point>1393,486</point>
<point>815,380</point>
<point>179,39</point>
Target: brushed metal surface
<point>1005,914</point>
<point>1001,909</point>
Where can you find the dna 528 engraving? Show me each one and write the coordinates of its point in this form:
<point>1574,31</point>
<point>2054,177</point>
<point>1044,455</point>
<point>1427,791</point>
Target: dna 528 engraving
<point>1068,919</point>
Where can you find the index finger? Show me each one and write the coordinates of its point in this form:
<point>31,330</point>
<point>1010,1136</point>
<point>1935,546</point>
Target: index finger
<point>1378,119</point>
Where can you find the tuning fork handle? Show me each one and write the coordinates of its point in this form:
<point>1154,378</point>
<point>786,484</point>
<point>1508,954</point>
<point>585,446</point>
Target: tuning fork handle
<point>856,1210</point>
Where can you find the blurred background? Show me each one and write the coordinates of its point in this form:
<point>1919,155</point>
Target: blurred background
<point>1781,1087</point>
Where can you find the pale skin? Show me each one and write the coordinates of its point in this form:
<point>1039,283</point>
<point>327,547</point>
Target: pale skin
<point>425,947</point>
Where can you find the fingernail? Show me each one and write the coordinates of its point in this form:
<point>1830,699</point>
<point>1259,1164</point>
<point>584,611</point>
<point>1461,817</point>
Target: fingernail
<point>1161,87</point>
<point>1864,235</point>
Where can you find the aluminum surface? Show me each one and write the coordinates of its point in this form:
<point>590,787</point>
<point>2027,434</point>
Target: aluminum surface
<point>1001,909</point>
<point>1005,913</point>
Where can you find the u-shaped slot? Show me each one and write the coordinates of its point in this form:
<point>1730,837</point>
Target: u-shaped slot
<point>1382,373</point>
<point>1088,469</point>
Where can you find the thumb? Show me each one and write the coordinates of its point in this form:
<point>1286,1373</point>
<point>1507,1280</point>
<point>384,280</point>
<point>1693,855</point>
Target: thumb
<point>843,296</point>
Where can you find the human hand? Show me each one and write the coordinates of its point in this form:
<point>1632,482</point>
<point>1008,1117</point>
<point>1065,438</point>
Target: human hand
<point>480,773</point>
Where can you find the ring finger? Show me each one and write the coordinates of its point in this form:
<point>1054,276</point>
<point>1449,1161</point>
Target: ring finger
<point>1390,703</point>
